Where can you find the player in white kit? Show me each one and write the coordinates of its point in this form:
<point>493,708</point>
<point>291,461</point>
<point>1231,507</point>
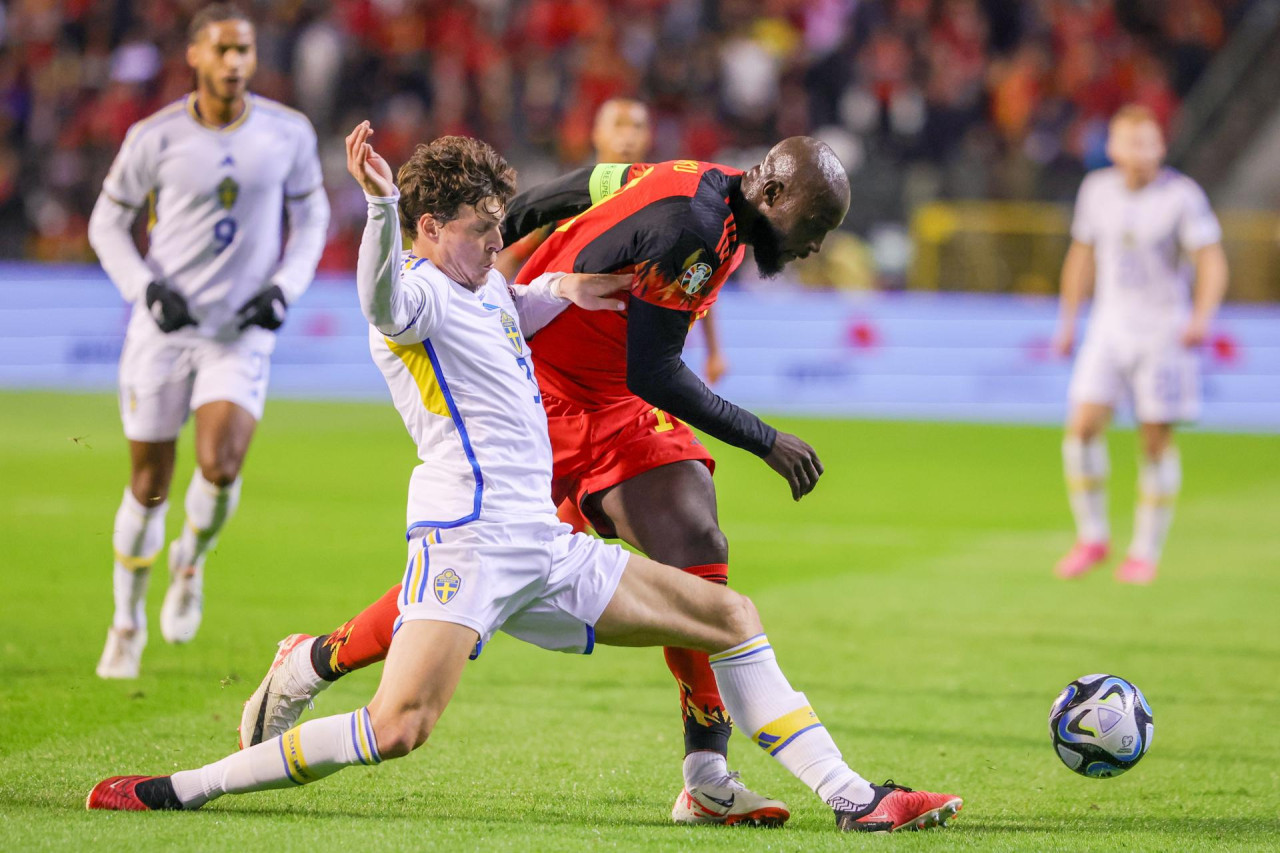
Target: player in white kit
<point>219,169</point>
<point>487,551</point>
<point>1146,234</point>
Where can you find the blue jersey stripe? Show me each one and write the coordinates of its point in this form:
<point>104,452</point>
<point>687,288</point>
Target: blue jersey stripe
<point>466,448</point>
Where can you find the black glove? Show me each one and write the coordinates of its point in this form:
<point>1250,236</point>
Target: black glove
<point>267,310</point>
<point>168,307</point>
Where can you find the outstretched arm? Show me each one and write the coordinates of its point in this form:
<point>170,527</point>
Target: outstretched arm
<point>398,309</point>
<point>568,195</point>
<point>658,375</point>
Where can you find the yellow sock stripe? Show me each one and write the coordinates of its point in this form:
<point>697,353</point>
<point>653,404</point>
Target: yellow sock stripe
<point>136,564</point>
<point>1085,484</point>
<point>295,763</point>
<point>751,645</point>
<point>776,735</point>
<point>364,727</point>
<point>1155,499</point>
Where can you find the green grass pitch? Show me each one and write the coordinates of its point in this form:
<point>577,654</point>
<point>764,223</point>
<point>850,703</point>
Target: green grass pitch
<point>909,597</point>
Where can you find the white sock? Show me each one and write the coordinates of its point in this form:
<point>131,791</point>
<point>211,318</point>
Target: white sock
<point>705,767</point>
<point>137,537</point>
<point>208,509</point>
<point>1158,485</point>
<point>305,753</point>
<point>760,700</point>
<point>1086,467</point>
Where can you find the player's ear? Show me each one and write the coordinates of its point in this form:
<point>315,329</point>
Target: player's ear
<point>428,227</point>
<point>191,55</point>
<point>772,192</point>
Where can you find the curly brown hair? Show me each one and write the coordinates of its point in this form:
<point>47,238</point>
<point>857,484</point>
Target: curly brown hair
<point>449,172</point>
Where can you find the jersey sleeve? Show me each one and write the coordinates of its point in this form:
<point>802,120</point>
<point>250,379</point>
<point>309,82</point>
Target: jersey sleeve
<point>305,176</point>
<point>1082,226</point>
<point>132,176</point>
<point>562,198</point>
<point>397,299</point>
<point>678,271</point>
<point>1199,225</point>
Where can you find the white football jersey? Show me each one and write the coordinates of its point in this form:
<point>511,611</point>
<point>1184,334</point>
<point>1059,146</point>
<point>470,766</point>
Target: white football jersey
<point>462,378</point>
<point>217,199</point>
<point>1142,241</point>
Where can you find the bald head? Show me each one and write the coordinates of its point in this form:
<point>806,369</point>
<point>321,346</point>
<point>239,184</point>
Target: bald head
<point>800,192</point>
<point>621,133</point>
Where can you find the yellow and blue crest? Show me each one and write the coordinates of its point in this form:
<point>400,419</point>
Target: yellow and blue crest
<point>228,192</point>
<point>446,586</point>
<point>512,332</point>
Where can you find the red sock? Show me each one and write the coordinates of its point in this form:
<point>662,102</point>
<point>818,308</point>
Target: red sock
<point>706,722</point>
<point>361,641</point>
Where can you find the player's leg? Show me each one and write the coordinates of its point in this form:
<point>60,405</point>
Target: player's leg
<point>137,539</point>
<point>1166,391</point>
<point>422,671</point>
<point>1095,386</point>
<point>228,396</point>
<point>1159,481</point>
<point>652,605</point>
<point>669,512</point>
<point>155,394</point>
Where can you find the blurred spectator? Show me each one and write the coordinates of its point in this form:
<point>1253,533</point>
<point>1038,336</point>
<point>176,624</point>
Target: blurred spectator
<point>923,98</point>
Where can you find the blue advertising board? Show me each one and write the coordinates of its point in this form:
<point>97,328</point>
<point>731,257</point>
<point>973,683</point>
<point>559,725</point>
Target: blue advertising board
<point>906,355</point>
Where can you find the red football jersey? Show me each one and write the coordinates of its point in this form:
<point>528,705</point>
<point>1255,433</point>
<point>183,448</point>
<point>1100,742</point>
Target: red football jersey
<point>670,226</point>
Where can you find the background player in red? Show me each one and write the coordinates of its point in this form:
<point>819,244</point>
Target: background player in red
<point>620,402</point>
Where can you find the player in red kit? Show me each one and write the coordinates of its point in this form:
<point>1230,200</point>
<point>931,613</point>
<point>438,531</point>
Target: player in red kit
<point>621,405</point>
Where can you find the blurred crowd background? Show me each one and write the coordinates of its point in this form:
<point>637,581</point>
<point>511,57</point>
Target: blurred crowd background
<point>922,99</point>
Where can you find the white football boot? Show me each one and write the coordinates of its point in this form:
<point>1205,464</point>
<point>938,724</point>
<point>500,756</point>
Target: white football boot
<point>728,803</point>
<point>184,600</point>
<point>286,691</point>
<point>123,653</point>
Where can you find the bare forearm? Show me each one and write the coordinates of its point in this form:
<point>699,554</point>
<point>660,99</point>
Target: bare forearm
<point>1077,278</point>
<point>1211,282</point>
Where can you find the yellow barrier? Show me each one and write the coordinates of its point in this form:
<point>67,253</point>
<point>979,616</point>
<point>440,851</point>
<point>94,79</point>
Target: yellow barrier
<point>1018,247</point>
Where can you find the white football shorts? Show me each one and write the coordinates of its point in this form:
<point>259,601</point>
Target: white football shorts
<point>163,378</point>
<point>535,580</point>
<point>1160,375</point>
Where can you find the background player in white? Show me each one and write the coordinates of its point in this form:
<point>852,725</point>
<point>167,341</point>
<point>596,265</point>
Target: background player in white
<point>490,553</point>
<point>1145,233</point>
<point>219,169</point>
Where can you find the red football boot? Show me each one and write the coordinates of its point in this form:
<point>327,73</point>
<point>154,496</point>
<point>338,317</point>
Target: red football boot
<point>133,794</point>
<point>896,807</point>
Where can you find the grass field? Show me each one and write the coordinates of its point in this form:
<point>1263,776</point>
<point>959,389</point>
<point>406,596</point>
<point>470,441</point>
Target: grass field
<point>910,597</point>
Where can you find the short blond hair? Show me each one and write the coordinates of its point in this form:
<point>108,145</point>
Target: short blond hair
<point>1134,114</point>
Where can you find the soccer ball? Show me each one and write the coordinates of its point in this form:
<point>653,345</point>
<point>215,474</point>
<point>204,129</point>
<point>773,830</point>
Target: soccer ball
<point>1101,725</point>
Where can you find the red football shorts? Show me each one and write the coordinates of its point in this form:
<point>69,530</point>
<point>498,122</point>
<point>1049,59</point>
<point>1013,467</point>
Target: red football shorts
<point>595,450</point>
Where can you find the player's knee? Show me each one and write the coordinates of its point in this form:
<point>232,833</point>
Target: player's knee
<point>741,620</point>
<point>698,544</point>
<point>149,487</point>
<point>401,733</point>
<point>220,469</point>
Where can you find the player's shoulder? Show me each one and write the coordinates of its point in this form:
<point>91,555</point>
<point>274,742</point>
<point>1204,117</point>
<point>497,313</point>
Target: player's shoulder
<point>1179,182</point>
<point>162,118</point>
<point>1104,179</point>
<point>281,114</point>
<point>700,203</point>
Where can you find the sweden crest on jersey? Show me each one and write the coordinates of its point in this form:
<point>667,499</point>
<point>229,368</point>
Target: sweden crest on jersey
<point>446,586</point>
<point>512,332</point>
<point>228,191</point>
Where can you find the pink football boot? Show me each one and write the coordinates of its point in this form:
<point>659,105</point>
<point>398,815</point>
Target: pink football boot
<point>1134,570</point>
<point>1082,557</point>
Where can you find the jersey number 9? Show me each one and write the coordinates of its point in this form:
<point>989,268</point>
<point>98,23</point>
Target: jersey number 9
<point>224,231</point>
